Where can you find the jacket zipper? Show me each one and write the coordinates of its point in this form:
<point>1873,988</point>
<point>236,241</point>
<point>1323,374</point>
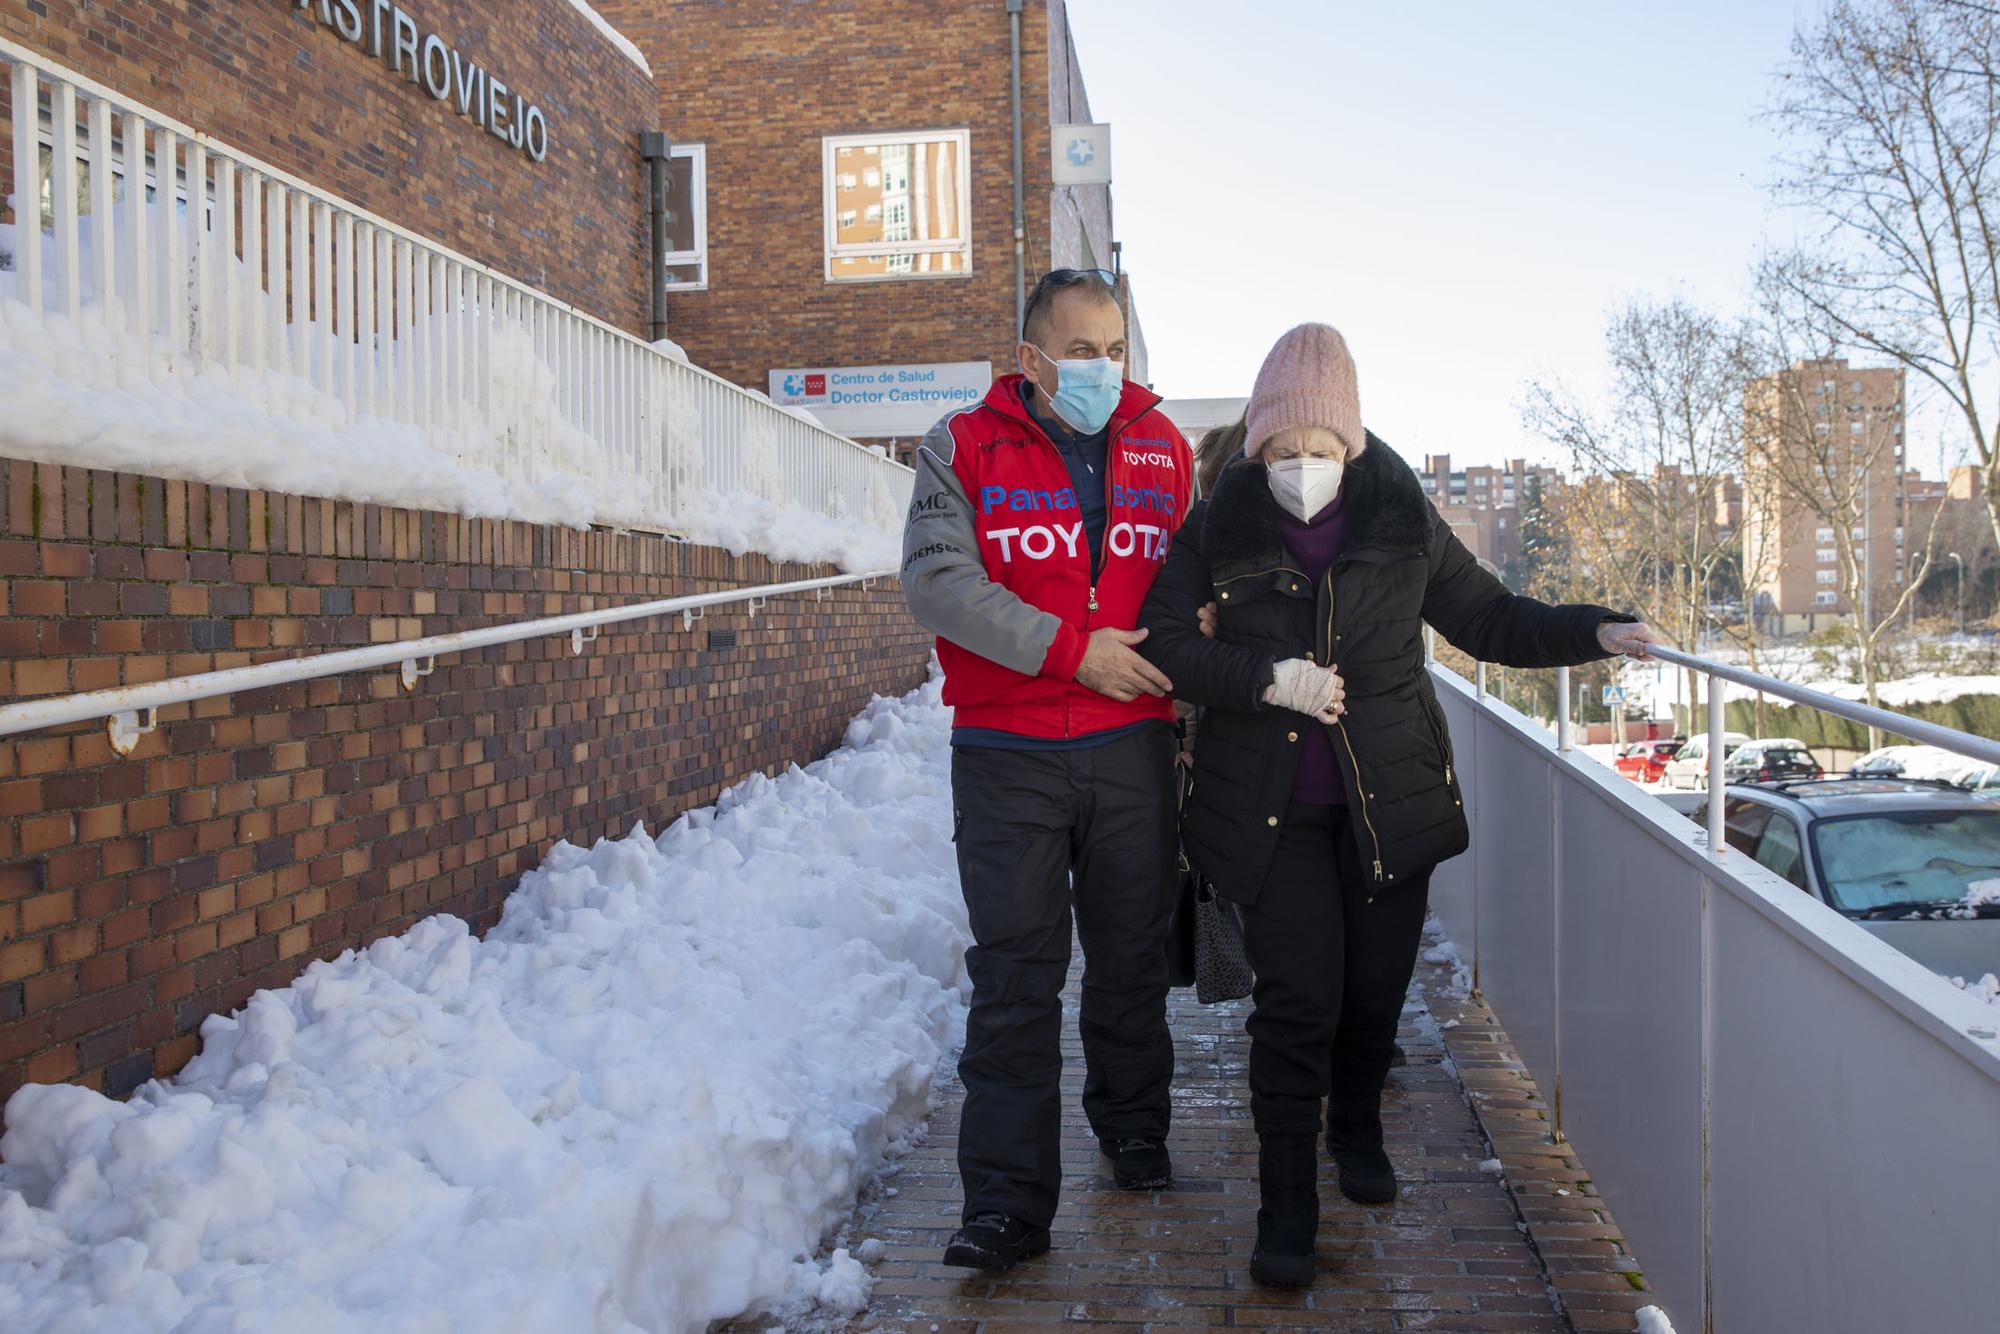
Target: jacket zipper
<point>1438,733</point>
<point>1360,793</point>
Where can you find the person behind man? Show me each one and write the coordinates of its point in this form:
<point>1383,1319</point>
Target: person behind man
<point>1038,521</point>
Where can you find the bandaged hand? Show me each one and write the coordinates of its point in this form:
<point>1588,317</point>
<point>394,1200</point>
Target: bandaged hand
<point>1306,687</point>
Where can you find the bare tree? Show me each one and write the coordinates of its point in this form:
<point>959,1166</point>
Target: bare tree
<point>1893,107</point>
<point>1654,461</point>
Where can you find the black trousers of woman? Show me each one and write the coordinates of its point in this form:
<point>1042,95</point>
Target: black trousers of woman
<point>1333,959</point>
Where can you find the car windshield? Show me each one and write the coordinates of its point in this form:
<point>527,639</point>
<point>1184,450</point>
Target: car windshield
<point>1920,858</point>
<point>1788,755</point>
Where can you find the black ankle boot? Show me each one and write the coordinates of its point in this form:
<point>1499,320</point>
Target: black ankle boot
<point>1354,1138</point>
<point>1288,1216</point>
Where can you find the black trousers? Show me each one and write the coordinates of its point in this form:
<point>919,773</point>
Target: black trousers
<point>1036,831</point>
<point>1333,959</point>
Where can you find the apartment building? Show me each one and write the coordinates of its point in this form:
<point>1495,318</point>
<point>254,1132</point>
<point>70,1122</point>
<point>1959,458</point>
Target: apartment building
<point>1483,504</point>
<point>1824,451</point>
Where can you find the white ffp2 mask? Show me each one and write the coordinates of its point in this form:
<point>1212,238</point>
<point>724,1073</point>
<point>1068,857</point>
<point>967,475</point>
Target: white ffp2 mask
<point>1304,487</point>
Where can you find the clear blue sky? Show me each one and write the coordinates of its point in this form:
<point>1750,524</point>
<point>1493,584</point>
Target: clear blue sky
<point>1463,188</point>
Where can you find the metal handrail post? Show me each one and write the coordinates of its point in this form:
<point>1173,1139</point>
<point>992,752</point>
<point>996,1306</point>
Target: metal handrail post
<point>1563,740</point>
<point>1716,846</point>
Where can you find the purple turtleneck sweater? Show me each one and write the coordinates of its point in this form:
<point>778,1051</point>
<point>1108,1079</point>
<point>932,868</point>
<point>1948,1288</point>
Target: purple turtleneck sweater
<point>1315,545</point>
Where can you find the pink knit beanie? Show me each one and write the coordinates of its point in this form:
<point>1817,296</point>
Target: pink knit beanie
<point>1307,380</point>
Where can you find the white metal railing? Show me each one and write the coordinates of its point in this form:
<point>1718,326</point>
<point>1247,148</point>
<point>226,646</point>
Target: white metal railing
<point>131,711</point>
<point>1792,1121</point>
<point>272,275</point>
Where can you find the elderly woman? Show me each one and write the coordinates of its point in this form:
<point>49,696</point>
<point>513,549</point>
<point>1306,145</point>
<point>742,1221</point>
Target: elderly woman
<point>1324,792</point>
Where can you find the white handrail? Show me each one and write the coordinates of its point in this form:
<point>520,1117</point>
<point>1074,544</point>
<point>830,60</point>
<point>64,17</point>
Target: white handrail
<point>265,272</point>
<point>1867,715</point>
<point>123,704</point>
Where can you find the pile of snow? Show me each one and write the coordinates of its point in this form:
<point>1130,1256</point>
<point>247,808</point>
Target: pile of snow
<point>1652,1320</point>
<point>91,393</point>
<point>1440,950</point>
<point>640,1102</point>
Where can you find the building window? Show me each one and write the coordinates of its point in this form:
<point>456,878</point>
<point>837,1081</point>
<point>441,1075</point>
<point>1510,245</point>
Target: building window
<point>686,256</point>
<point>913,209</point>
<point>1823,534</point>
<point>1827,576</point>
<point>1825,599</point>
<point>1827,556</point>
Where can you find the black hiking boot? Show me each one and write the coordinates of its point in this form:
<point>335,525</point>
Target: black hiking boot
<point>1139,1164</point>
<point>995,1242</point>
<point>1288,1212</point>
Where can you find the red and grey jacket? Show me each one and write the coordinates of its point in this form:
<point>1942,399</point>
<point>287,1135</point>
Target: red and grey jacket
<point>996,565</point>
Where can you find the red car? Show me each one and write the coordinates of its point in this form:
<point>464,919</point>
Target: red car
<point>1646,761</point>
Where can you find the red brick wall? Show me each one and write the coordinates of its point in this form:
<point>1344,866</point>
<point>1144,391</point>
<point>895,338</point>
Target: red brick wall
<point>266,78</point>
<point>250,835</point>
<point>759,81</point>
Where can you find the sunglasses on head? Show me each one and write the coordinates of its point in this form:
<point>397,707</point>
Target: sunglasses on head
<point>1055,280</point>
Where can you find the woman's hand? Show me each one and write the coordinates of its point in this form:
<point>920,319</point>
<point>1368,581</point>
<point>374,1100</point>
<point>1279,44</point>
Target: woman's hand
<point>1628,638</point>
<point>1206,619</point>
<point>1306,687</point>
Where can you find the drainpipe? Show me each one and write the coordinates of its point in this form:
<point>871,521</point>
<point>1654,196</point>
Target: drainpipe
<point>1020,206</point>
<point>658,152</point>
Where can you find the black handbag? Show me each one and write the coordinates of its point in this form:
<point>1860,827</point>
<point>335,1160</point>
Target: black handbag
<point>1205,939</point>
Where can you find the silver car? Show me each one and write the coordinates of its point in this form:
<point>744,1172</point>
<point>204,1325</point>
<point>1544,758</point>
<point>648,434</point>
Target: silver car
<point>1915,863</point>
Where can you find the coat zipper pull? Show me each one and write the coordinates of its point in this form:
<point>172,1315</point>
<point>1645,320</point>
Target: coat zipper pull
<point>1093,597</point>
<point>1378,870</point>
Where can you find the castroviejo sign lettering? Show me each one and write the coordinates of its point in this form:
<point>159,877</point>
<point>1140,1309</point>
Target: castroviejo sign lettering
<point>384,31</point>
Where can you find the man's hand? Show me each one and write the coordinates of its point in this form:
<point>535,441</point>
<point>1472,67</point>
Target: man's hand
<point>1110,667</point>
<point>1628,637</point>
<point>1206,619</point>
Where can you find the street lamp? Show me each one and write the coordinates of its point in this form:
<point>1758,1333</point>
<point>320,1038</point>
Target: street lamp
<point>1961,589</point>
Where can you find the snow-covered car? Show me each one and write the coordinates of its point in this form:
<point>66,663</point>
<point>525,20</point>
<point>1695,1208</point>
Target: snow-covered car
<point>1771,760</point>
<point>1910,862</point>
<point>1907,761</point>
<point>1689,766</point>
<point>1645,761</point>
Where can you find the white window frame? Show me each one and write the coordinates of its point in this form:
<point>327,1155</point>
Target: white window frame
<point>697,154</point>
<point>1827,576</point>
<point>836,251</point>
<point>1823,534</point>
<point>1826,599</point>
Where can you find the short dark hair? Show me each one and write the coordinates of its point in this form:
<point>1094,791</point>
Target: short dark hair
<point>1041,301</point>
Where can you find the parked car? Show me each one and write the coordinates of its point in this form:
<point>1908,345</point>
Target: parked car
<point>1689,766</point>
<point>1912,862</point>
<point>1908,761</point>
<point>1645,761</point>
<point>1774,760</point>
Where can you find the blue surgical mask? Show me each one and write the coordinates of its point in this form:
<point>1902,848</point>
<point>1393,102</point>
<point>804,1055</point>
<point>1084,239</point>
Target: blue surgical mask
<point>1087,392</point>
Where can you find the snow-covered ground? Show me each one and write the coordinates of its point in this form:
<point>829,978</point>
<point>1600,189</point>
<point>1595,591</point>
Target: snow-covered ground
<point>640,1102</point>
<point>1658,687</point>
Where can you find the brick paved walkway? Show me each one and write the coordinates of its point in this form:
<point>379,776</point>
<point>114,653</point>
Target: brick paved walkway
<point>1464,1249</point>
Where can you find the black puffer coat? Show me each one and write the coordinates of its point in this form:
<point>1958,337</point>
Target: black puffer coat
<point>1402,566</point>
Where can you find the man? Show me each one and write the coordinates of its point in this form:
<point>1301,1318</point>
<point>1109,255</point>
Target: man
<point>1038,522</point>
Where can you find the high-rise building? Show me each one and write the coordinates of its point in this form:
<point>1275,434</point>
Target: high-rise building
<point>1823,450</point>
<point>1483,504</point>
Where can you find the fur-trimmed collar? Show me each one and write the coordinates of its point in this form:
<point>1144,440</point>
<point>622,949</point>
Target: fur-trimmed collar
<point>1385,503</point>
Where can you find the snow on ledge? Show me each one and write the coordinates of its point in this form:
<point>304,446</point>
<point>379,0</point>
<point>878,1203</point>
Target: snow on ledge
<point>642,1101</point>
<point>616,38</point>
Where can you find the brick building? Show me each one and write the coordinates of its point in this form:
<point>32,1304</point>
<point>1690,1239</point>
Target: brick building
<point>1824,450</point>
<point>250,834</point>
<point>1483,505</point>
<point>844,191</point>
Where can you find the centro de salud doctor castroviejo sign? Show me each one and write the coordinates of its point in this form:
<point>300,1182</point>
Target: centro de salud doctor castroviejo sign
<point>384,31</point>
